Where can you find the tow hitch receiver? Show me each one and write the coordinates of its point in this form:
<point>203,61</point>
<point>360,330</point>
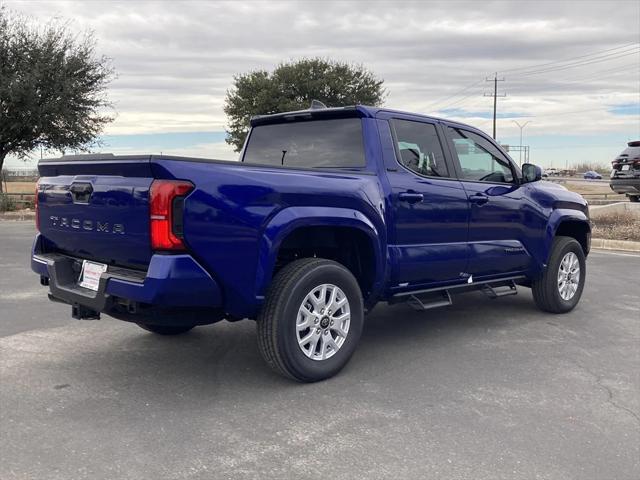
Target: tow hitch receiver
<point>80,312</point>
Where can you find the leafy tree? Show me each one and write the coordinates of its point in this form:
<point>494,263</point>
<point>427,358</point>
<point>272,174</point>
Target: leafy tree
<point>292,86</point>
<point>52,87</point>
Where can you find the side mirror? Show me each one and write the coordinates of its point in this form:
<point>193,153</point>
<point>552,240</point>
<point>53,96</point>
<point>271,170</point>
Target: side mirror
<point>531,173</point>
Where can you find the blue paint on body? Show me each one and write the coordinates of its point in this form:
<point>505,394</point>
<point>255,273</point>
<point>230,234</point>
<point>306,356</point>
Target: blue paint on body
<point>238,215</point>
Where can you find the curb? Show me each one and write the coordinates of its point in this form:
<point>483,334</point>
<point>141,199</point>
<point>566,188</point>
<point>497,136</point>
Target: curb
<point>606,244</point>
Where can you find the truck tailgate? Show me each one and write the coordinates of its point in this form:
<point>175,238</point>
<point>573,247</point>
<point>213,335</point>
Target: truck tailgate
<point>97,209</point>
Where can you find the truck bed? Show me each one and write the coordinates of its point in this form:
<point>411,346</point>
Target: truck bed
<point>225,215</point>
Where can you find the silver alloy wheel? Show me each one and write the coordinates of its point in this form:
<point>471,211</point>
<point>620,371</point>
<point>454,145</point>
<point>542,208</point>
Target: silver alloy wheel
<point>323,322</point>
<point>569,276</point>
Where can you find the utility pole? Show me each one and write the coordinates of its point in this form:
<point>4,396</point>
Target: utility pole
<point>521,128</point>
<point>495,96</point>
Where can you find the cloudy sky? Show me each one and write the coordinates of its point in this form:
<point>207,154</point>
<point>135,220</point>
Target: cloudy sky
<point>571,68</point>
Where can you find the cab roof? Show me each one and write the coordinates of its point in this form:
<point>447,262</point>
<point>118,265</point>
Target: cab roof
<point>362,111</point>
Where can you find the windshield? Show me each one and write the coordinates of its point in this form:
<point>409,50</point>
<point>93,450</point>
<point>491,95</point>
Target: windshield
<point>335,143</point>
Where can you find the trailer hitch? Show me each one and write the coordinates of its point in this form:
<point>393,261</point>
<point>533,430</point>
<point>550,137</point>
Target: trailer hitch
<point>80,312</point>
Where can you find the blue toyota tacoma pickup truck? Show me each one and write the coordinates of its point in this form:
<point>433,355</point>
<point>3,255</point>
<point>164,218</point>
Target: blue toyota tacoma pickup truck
<point>328,211</point>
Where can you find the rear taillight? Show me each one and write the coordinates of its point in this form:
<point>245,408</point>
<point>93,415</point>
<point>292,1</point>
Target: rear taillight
<point>35,206</point>
<point>166,200</point>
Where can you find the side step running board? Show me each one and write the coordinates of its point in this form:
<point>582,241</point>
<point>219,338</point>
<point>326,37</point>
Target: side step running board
<point>500,290</point>
<point>427,301</point>
<point>441,297</point>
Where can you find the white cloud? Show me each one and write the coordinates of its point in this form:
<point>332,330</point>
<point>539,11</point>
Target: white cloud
<point>175,60</point>
<point>217,150</point>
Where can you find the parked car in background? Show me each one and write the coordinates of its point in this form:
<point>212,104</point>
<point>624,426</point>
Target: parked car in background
<point>552,172</point>
<point>591,175</point>
<point>625,172</point>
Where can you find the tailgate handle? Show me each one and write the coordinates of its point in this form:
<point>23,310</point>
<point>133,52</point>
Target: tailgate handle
<point>81,192</point>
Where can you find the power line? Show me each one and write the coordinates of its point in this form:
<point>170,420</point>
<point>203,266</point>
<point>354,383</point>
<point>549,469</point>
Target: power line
<point>532,68</point>
<point>537,69</point>
<point>612,76</point>
<point>579,64</point>
<point>461,100</point>
<point>597,74</point>
<point>608,72</point>
<point>568,59</point>
<point>455,94</point>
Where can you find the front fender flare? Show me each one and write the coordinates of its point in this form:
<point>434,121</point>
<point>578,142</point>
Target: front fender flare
<point>557,217</point>
<point>292,218</point>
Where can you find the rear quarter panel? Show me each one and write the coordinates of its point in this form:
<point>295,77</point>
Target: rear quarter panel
<point>229,218</point>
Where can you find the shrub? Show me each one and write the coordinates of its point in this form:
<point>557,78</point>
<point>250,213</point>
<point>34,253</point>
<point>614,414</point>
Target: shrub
<point>6,203</point>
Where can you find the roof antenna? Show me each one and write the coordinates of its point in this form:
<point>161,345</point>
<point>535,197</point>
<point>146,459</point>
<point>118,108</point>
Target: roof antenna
<point>317,105</point>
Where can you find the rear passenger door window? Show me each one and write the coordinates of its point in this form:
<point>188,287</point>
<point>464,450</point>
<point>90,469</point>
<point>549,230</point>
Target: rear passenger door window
<point>418,148</point>
<point>480,161</point>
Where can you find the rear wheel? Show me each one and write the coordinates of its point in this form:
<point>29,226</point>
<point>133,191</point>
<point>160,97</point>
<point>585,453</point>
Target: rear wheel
<point>311,321</point>
<point>634,198</point>
<point>559,289</point>
<point>165,329</point>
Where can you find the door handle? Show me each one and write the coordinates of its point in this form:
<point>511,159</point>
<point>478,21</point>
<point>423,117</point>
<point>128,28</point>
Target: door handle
<point>410,197</point>
<point>479,199</point>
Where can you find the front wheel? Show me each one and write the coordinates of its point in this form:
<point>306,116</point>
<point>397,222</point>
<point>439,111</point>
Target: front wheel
<point>311,321</point>
<point>634,198</point>
<point>559,289</point>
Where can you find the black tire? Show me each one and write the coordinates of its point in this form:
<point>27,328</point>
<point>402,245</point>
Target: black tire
<point>276,326</point>
<point>165,329</point>
<point>545,289</point>
<point>634,198</point>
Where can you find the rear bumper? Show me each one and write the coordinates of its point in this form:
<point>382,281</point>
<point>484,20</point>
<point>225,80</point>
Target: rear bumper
<point>625,185</point>
<point>171,281</point>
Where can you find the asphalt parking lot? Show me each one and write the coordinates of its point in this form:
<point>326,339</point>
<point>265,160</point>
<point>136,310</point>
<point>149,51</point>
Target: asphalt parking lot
<point>485,389</point>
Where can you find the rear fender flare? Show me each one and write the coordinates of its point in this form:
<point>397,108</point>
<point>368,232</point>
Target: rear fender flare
<point>292,218</point>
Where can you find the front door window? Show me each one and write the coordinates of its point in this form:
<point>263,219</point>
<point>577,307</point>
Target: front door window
<point>480,161</point>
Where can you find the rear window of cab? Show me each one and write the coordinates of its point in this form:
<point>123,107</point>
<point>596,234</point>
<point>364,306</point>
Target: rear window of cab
<point>334,143</point>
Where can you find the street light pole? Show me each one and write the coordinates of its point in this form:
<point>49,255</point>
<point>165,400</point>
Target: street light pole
<point>521,128</point>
